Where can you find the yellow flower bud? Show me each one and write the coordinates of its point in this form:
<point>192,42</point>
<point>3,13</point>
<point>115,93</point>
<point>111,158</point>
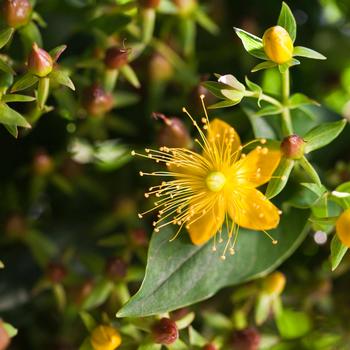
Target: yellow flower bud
<point>343,227</point>
<point>274,283</point>
<point>105,338</point>
<point>278,45</point>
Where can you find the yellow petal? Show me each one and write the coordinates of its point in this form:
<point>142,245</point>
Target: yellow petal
<point>250,209</point>
<point>343,227</point>
<point>224,143</point>
<point>205,226</point>
<point>257,167</point>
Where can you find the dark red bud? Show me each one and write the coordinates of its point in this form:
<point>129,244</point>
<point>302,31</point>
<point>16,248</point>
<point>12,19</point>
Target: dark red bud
<point>165,331</point>
<point>179,314</point>
<point>116,57</point>
<point>40,62</point>
<point>139,237</point>
<point>42,163</point>
<point>247,339</point>
<point>149,3</point>
<point>209,347</point>
<point>116,268</point>
<point>15,225</point>
<point>56,272</point>
<point>173,132</point>
<point>293,147</point>
<point>97,101</point>
<point>4,337</point>
<point>17,12</point>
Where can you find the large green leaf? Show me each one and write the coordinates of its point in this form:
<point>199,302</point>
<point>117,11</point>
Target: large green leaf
<point>180,273</point>
<point>5,36</point>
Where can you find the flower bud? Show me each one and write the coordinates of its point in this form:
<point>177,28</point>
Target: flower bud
<point>293,147</point>
<point>116,57</point>
<point>179,313</point>
<point>165,331</point>
<point>4,337</point>
<point>150,4</point>
<point>15,225</point>
<point>209,346</point>
<point>274,283</point>
<point>97,101</point>
<point>17,12</point>
<point>40,62</point>
<point>56,272</point>
<point>185,6</point>
<point>160,68</point>
<point>105,338</point>
<point>343,227</point>
<point>42,163</point>
<point>248,339</point>
<point>116,268</point>
<point>278,45</point>
<point>173,132</point>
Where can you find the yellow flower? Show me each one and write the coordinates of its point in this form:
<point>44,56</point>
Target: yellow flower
<point>205,190</point>
<point>278,45</point>
<point>105,338</point>
<point>343,227</point>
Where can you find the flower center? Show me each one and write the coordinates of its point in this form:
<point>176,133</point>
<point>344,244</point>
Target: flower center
<point>215,181</point>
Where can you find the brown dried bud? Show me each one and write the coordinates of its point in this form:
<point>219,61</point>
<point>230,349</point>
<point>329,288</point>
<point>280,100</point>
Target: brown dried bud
<point>97,101</point>
<point>160,68</point>
<point>165,331</point>
<point>56,272</point>
<point>17,12</point>
<point>139,237</point>
<point>248,339</point>
<point>116,268</point>
<point>116,57</point>
<point>42,163</point>
<point>293,147</point>
<point>4,337</point>
<point>173,132</point>
<point>15,225</point>
<point>150,4</point>
<point>209,347</point>
<point>40,62</point>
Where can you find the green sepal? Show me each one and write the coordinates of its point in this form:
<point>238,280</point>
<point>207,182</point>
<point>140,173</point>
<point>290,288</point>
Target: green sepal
<point>322,135</point>
<point>61,77</point>
<point>24,82</point>
<point>252,44</point>
<point>264,65</point>
<point>268,110</point>
<point>309,169</point>
<point>88,320</point>
<point>302,51</point>
<point>280,179</point>
<point>5,36</point>
<point>255,88</point>
<point>130,75</point>
<point>5,67</point>
<point>287,21</point>
<point>338,250</point>
<point>341,195</point>
<point>17,98</point>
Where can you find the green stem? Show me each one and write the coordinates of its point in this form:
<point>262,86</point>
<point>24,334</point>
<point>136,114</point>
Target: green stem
<point>263,97</point>
<point>43,91</point>
<point>287,126</point>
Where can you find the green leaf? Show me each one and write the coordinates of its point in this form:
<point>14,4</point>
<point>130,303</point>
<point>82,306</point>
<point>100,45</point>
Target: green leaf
<point>260,126</point>
<point>57,51</point>
<point>185,321</point>
<point>318,189</point>
<point>5,36</point>
<point>195,273</point>
<point>281,176</point>
<point>251,43</point>
<point>341,195</point>
<point>5,67</point>
<point>323,134</point>
<point>206,22</point>
<point>292,324</point>
<point>130,75</point>
<point>110,23</point>
<point>10,117</point>
<point>268,110</point>
<point>196,339</point>
<point>287,21</point>
<point>298,99</point>
<point>24,82</point>
<point>309,53</point>
<point>98,295</point>
<point>264,65</point>
<point>262,308</point>
<point>255,88</point>
<point>61,77</point>
<point>338,250</point>
<point>17,98</point>
<point>223,104</point>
